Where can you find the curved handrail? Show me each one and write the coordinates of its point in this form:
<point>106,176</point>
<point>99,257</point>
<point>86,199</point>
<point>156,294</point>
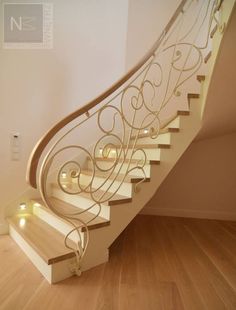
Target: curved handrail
<point>43,142</point>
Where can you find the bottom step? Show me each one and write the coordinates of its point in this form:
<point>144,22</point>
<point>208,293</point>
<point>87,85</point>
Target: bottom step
<point>43,245</point>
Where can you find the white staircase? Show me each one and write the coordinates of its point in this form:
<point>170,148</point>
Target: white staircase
<point>40,232</point>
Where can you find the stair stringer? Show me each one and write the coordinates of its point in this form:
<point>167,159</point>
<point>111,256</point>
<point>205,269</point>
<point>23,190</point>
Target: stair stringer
<point>122,214</point>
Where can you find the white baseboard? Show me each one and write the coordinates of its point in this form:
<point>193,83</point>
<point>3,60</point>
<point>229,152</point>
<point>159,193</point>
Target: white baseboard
<point>216,215</point>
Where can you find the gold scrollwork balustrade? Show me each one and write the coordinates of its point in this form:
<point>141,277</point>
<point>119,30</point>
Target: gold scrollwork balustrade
<point>134,105</point>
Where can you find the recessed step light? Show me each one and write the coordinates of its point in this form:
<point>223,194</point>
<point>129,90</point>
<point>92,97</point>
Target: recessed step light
<point>22,222</point>
<point>22,206</point>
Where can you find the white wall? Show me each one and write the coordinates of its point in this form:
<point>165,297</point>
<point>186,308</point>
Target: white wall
<point>39,87</point>
<point>220,112</point>
<point>202,184</point>
<point>147,19</point>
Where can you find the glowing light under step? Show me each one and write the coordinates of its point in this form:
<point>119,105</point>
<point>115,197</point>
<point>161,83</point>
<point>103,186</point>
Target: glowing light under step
<point>22,222</point>
<point>36,204</point>
<point>63,175</point>
<point>22,206</point>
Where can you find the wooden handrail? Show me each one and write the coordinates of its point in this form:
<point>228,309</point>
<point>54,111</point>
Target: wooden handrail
<point>43,142</point>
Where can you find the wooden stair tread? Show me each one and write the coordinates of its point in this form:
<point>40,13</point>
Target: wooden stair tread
<point>208,56</point>
<point>213,31</point>
<point>172,129</point>
<point>144,135</point>
<point>201,78</point>
<point>65,207</point>
<point>183,113</point>
<point>115,177</point>
<point>43,238</point>
<point>148,146</point>
<point>132,161</point>
<point>194,95</point>
<point>116,198</point>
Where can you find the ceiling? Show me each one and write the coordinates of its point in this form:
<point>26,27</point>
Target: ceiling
<point>220,112</point>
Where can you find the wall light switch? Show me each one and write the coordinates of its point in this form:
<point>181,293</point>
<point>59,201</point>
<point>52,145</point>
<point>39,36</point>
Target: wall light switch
<point>15,146</point>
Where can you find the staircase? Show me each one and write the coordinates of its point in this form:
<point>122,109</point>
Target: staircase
<point>90,193</point>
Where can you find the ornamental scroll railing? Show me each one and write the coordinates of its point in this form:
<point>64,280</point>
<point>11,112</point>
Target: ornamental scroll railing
<point>137,103</point>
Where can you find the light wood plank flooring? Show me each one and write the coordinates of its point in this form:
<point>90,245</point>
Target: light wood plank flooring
<point>156,263</point>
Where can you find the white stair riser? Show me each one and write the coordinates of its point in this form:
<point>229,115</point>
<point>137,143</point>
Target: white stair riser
<point>122,168</point>
<point>81,202</point>
<point>175,123</point>
<point>150,154</point>
<point>110,185</point>
<point>164,138</point>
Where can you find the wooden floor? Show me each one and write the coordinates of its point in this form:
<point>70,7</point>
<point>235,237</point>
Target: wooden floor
<point>157,263</point>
